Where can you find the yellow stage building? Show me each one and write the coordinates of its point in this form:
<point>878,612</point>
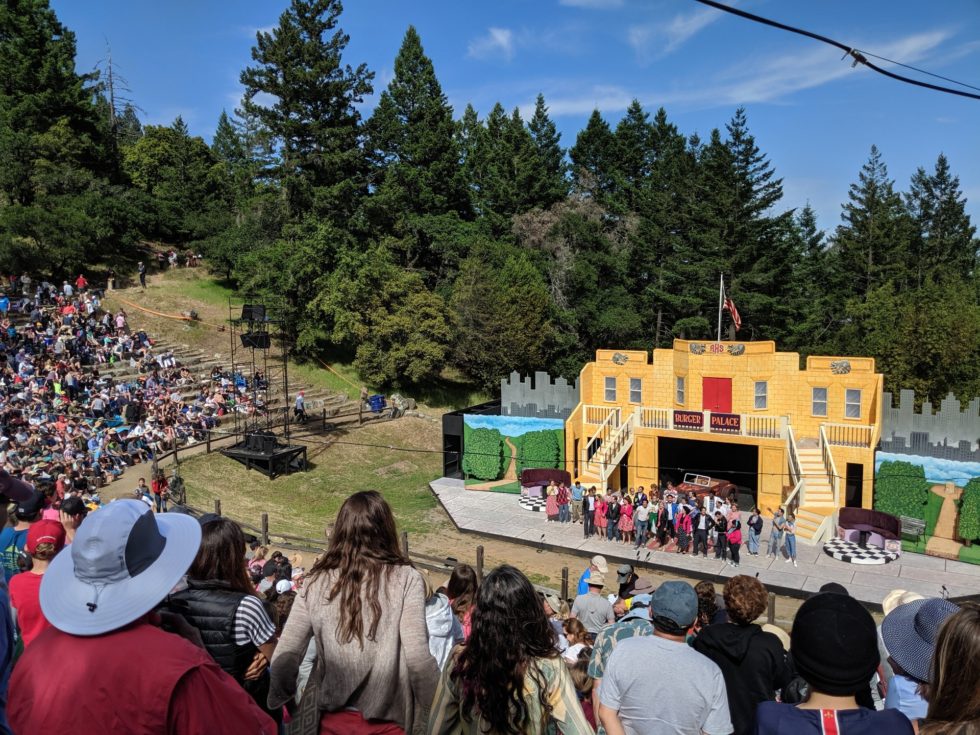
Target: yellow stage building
<point>739,411</point>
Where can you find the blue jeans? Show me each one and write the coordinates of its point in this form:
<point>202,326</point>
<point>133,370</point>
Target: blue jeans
<point>612,531</point>
<point>641,533</point>
<point>775,539</point>
<point>753,542</point>
<point>564,513</point>
<point>790,545</point>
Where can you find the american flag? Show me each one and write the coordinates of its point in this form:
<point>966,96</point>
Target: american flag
<point>730,308</point>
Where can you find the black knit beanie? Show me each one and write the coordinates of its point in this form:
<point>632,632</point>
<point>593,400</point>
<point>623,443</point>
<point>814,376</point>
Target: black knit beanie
<point>834,644</point>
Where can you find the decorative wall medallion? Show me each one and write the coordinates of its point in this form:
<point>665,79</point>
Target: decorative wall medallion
<point>619,358</point>
<point>736,350</point>
<point>840,367</point>
<point>697,348</point>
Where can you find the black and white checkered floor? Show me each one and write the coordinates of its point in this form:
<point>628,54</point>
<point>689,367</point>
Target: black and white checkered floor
<point>535,504</point>
<point>853,554</point>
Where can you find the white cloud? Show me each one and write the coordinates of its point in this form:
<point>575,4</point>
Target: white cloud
<point>595,4</point>
<point>761,79</point>
<point>778,76</point>
<point>660,39</point>
<point>497,43</point>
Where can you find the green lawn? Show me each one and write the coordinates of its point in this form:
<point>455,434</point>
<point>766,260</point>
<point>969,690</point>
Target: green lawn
<point>305,503</point>
<point>933,507</point>
<point>970,554</point>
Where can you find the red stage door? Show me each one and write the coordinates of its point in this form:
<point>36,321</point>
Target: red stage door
<point>717,395</point>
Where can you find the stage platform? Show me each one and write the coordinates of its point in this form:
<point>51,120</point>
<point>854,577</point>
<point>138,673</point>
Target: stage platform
<point>283,459</point>
<point>500,516</point>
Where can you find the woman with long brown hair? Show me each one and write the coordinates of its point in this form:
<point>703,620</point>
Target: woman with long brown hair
<point>954,690</point>
<point>363,604</point>
<point>220,601</point>
<point>461,591</point>
<point>508,678</point>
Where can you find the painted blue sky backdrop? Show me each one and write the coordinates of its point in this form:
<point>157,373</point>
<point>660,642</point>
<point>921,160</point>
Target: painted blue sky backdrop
<point>937,470</point>
<point>813,114</point>
<point>512,426</point>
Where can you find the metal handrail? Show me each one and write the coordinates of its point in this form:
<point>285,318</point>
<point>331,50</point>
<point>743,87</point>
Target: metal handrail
<point>829,465</point>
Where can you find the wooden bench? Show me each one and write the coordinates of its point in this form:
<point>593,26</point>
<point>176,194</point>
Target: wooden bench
<point>912,528</point>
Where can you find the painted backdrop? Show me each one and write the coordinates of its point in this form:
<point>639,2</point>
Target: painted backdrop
<point>497,448</point>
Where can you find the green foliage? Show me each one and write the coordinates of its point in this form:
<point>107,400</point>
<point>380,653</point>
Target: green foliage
<point>313,119</point>
<point>483,454</point>
<point>901,489</point>
<point>969,525</point>
<point>416,170</point>
<point>398,329</point>
<point>183,179</point>
<point>503,315</point>
<point>540,449</point>
<point>62,202</point>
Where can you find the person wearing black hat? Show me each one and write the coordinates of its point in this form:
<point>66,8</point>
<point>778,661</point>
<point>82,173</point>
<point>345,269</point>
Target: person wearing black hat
<point>834,644</point>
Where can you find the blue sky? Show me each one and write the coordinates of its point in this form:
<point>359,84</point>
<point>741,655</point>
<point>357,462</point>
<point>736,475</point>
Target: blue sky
<point>813,114</point>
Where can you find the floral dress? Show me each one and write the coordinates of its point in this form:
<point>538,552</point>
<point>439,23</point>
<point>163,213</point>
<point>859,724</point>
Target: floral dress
<point>551,503</point>
<point>626,517</point>
<point>600,516</point>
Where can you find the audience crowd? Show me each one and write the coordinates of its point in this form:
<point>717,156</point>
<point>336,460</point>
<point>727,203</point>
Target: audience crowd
<point>174,624</point>
<point>66,425</point>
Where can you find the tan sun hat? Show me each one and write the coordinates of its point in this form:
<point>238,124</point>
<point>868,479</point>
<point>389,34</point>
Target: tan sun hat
<point>781,634</point>
<point>897,598</point>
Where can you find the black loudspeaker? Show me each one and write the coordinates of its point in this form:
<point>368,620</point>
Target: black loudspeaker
<point>268,445</point>
<point>253,313</point>
<point>256,340</point>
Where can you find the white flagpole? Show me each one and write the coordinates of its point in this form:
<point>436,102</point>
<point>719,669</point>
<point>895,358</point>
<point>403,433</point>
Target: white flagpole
<point>721,303</point>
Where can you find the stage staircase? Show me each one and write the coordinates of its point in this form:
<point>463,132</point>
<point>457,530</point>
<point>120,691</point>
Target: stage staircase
<point>815,497</point>
<point>610,443</point>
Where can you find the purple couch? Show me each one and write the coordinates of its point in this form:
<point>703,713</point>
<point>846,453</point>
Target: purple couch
<point>873,525</point>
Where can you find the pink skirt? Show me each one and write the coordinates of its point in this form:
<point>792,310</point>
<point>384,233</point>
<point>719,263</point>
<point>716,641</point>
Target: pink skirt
<point>626,523</point>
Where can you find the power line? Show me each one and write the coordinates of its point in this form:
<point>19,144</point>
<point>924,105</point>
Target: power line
<point>855,54</point>
<point>311,439</point>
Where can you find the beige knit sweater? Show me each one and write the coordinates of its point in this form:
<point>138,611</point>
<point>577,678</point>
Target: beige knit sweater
<point>390,678</point>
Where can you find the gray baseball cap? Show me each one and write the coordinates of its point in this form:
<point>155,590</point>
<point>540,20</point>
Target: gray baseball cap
<point>675,601</point>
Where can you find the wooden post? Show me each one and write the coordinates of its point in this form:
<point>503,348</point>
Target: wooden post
<point>564,584</point>
<point>265,529</point>
<point>479,564</point>
<point>771,613</point>
<point>217,506</point>
<point>208,440</point>
<point>405,543</point>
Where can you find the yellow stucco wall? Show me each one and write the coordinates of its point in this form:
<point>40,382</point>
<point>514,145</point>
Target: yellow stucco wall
<point>789,394</point>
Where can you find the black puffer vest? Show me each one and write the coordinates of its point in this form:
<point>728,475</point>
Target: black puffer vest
<point>210,607</point>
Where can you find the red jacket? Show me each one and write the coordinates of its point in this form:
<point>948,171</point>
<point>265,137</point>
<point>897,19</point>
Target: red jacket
<point>139,679</point>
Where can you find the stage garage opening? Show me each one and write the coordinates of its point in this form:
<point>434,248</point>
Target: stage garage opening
<point>737,463</point>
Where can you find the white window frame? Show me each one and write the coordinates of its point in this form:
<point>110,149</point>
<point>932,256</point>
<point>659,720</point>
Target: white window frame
<point>763,404</point>
<point>679,391</point>
<point>850,403</point>
<point>638,390</point>
<point>814,401</point>
<point>607,387</point>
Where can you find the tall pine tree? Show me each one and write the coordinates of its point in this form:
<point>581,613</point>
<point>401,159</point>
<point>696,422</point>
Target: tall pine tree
<point>594,160</point>
<point>550,183</point>
<point>312,116</point>
<point>874,238</point>
<point>417,171</point>
<point>945,246</point>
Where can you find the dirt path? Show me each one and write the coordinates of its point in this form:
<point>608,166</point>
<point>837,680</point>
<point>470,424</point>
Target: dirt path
<point>943,542</point>
<point>509,476</point>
